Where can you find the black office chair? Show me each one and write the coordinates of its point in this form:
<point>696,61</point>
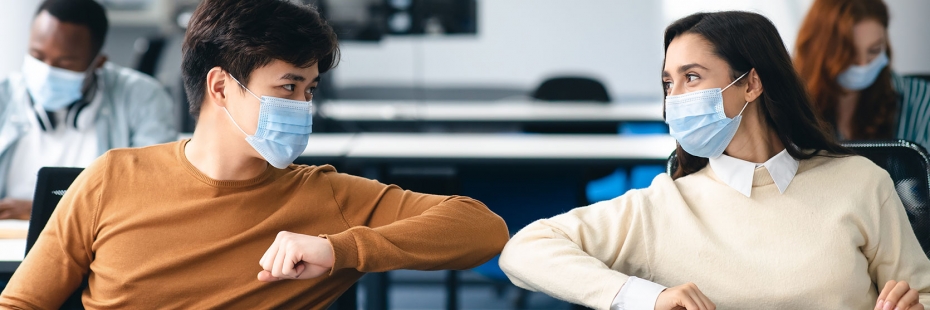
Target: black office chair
<point>925,77</point>
<point>51,185</point>
<point>909,166</point>
<point>572,89</point>
<point>148,53</point>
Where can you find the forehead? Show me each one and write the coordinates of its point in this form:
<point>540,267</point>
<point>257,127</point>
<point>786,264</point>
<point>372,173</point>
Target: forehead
<point>867,32</point>
<point>47,27</point>
<point>277,68</point>
<point>687,49</point>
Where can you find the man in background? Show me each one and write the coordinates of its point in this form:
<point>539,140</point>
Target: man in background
<point>69,105</point>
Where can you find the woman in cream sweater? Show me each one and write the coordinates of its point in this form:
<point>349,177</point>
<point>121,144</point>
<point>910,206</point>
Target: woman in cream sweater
<point>766,211</point>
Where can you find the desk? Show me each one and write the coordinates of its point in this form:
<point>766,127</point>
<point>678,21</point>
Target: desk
<point>13,244</point>
<point>370,148</point>
<point>506,111</point>
<point>474,116</point>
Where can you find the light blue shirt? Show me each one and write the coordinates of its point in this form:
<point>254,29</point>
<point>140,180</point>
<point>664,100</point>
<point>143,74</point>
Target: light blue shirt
<point>135,111</point>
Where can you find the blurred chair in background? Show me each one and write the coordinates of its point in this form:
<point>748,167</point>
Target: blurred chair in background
<point>148,53</point>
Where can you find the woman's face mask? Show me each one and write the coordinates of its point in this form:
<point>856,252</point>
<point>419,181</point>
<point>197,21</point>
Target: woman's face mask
<point>861,77</point>
<point>698,122</point>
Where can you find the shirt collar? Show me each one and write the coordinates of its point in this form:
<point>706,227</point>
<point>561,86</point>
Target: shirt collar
<point>738,173</point>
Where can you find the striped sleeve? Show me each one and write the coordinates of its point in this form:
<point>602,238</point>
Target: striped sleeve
<point>914,103</point>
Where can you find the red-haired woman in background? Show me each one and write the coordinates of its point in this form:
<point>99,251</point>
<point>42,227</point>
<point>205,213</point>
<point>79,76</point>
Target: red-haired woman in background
<point>842,54</point>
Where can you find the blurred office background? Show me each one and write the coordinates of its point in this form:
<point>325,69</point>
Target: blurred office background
<point>418,51</point>
<point>476,49</point>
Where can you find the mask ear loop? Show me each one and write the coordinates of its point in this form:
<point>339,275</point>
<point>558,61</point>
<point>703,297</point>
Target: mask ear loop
<point>227,110</point>
<point>246,88</point>
<point>731,84</point>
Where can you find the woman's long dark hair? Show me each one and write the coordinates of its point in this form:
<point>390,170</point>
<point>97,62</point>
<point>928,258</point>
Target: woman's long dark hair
<point>750,41</point>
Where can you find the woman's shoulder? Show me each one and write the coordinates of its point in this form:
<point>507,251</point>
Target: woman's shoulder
<point>842,169</point>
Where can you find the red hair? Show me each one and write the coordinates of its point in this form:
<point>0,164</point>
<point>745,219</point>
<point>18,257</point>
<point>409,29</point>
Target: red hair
<point>825,48</point>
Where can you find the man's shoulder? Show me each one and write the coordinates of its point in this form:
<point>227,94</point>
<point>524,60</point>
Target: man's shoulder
<point>137,157</point>
<point>123,78</point>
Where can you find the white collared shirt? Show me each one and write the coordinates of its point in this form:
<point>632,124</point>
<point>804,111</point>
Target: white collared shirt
<point>737,173</point>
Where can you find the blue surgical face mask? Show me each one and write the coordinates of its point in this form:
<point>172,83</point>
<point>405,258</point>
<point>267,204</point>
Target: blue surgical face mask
<point>52,88</point>
<point>697,121</point>
<point>284,127</point>
<point>861,77</point>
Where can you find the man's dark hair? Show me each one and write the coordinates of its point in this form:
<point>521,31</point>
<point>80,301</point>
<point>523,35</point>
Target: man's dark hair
<point>87,13</point>
<point>240,36</point>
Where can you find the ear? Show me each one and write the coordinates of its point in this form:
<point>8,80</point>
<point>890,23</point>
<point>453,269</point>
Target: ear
<point>216,86</point>
<point>754,87</point>
<point>102,60</point>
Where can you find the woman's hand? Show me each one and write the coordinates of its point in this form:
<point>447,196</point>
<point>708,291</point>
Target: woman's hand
<point>898,296</point>
<point>685,296</point>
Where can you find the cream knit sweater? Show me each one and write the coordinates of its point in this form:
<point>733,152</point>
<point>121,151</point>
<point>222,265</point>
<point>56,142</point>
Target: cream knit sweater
<point>837,230</point>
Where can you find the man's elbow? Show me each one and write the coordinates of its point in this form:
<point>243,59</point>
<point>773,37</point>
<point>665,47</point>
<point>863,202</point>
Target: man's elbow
<point>489,227</point>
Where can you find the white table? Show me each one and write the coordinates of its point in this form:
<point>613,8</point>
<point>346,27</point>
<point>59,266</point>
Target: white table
<point>12,251</point>
<point>495,111</point>
<point>510,147</point>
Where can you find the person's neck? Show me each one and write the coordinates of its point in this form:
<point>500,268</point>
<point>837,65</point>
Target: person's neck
<point>754,141</point>
<point>218,154</point>
<point>845,111</point>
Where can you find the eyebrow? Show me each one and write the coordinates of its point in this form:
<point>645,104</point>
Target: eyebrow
<point>684,68</point>
<point>297,78</point>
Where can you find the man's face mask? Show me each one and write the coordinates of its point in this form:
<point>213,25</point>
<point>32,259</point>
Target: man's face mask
<point>284,127</point>
<point>53,88</point>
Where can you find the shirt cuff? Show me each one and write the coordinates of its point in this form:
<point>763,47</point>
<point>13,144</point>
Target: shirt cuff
<point>345,250</point>
<point>637,294</point>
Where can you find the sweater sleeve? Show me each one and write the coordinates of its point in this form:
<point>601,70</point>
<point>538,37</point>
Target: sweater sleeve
<point>570,256</point>
<point>391,228</point>
<point>893,251</point>
<point>61,257</point>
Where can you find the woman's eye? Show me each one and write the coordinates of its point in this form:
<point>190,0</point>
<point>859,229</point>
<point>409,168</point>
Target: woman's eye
<point>691,77</point>
<point>310,90</point>
<point>667,86</point>
<point>289,87</point>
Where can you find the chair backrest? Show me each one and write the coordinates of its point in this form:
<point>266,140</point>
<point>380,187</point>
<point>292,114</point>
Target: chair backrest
<point>925,76</point>
<point>572,89</point>
<point>148,53</point>
<point>51,185</point>
<point>909,166</point>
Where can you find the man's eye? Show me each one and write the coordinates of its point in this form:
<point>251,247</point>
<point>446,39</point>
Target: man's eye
<point>289,87</point>
<point>311,90</point>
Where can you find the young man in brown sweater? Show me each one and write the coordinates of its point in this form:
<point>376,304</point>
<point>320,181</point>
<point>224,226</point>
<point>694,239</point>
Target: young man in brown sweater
<point>192,224</point>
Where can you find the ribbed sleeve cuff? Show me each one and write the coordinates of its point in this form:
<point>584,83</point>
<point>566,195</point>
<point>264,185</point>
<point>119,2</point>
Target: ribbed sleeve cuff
<point>345,250</point>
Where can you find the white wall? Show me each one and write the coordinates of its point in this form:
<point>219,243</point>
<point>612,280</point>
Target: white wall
<point>17,19</point>
<point>520,42</point>
<point>909,34</point>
